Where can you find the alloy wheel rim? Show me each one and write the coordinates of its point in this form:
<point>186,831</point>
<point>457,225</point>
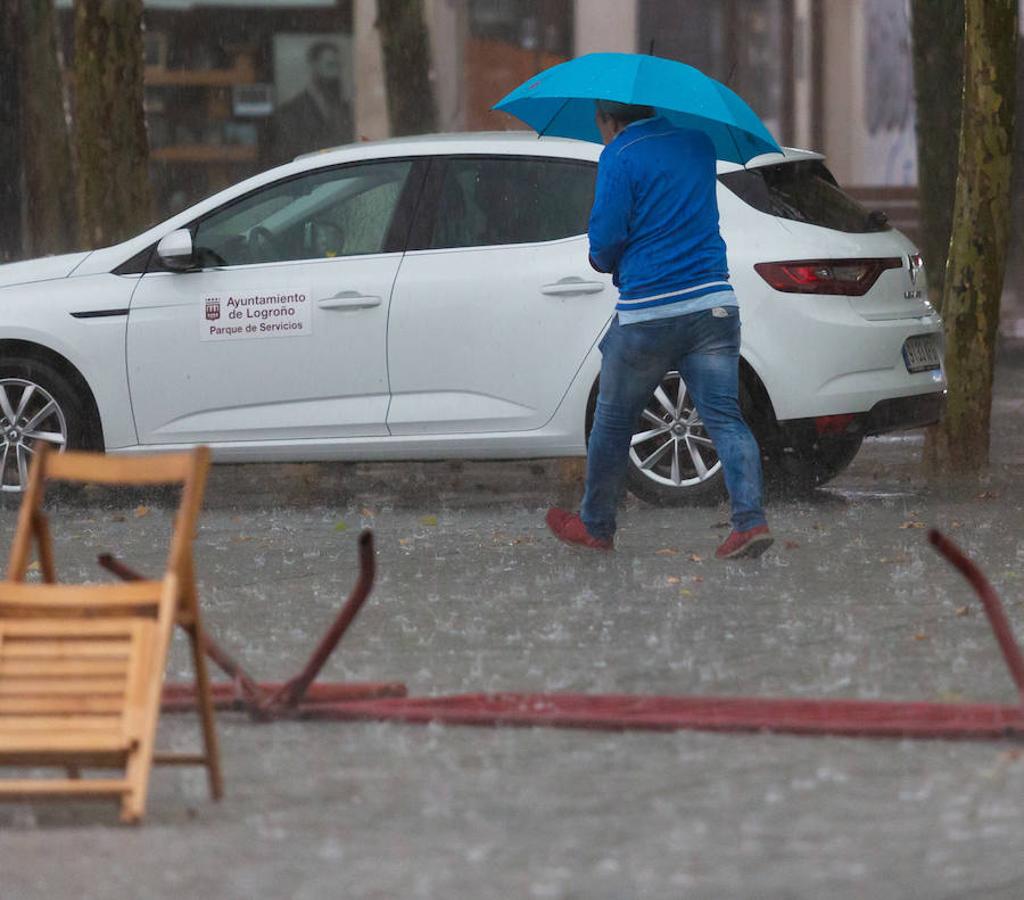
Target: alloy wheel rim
<point>29,416</point>
<point>671,447</point>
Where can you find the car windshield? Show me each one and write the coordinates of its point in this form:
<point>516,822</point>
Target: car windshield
<point>804,191</point>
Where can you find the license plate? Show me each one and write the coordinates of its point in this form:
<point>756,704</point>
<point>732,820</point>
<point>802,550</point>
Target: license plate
<point>921,354</point>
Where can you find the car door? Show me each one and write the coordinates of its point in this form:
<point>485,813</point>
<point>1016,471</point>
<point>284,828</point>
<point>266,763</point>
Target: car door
<point>279,333</point>
<point>495,305</point>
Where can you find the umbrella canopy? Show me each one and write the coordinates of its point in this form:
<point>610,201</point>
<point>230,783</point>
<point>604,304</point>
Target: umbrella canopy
<point>560,101</point>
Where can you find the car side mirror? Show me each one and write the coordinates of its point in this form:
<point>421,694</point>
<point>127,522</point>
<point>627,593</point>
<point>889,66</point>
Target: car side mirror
<point>176,251</point>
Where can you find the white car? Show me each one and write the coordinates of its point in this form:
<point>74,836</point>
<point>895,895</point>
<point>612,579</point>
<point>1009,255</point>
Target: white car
<point>431,298</point>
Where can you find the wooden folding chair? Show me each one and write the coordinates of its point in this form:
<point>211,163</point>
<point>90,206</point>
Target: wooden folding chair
<point>81,667</point>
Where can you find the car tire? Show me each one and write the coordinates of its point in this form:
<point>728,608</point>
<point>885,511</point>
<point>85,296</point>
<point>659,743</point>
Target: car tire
<point>676,464</point>
<point>53,411</point>
<point>806,469</point>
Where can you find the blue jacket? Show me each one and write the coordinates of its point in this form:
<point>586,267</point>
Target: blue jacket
<point>654,223</point>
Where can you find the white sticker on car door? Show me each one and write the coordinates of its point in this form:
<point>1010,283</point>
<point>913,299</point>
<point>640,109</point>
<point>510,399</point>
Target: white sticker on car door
<point>240,316</point>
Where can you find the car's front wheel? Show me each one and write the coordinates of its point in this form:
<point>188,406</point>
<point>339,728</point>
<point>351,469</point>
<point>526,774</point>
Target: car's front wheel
<point>672,460</point>
<point>38,405</point>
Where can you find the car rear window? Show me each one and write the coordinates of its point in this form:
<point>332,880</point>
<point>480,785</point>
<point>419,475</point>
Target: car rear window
<point>803,191</point>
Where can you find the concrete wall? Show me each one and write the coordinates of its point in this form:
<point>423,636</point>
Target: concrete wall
<point>604,25</point>
<point>868,84</point>
<point>371,111</point>
<point>446,21</point>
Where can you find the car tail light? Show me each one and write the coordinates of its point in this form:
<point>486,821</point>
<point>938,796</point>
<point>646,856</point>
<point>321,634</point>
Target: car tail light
<point>847,277</point>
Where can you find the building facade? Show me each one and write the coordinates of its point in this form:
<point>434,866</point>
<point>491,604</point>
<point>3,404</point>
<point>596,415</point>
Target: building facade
<point>234,86</point>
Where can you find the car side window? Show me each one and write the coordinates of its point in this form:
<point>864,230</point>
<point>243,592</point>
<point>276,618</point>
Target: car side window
<point>338,212</point>
<point>484,201</point>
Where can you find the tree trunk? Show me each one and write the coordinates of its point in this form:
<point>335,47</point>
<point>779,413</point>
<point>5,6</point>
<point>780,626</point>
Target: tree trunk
<point>49,180</point>
<point>406,51</point>
<point>981,226</point>
<point>114,198</point>
<point>10,133</point>
<point>938,37</point>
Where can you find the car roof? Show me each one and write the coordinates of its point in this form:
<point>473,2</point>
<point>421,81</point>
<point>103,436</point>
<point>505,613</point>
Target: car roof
<point>506,142</point>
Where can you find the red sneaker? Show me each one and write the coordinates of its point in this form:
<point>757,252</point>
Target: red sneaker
<point>568,527</point>
<point>750,543</point>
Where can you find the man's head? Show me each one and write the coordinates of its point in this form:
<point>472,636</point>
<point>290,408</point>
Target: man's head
<point>612,117</point>
<point>324,61</point>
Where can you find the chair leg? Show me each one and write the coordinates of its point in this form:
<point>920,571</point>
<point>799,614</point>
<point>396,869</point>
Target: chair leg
<point>133,806</point>
<point>204,702</point>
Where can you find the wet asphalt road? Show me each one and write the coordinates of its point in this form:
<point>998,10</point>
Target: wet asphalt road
<point>474,595</point>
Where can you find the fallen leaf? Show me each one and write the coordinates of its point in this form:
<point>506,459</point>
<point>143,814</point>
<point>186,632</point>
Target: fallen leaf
<point>697,579</point>
<point>955,524</point>
<point>405,541</point>
<point>341,525</point>
<point>685,592</point>
<point>963,610</point>
<point>988,495</point>
<point>791,545</point>
<point>920,636</point>
<point>33,566</point>
<point>369,513</point>
<point>666,551</point>
<point>912,524</point>
<point>429,520</point>
<point>673,579</point>
<point>141,511</point>
<point>242,538</point>
<point>696,557</point>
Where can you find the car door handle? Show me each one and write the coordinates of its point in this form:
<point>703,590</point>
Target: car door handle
<point>349,300</point>
<point>568,286</point>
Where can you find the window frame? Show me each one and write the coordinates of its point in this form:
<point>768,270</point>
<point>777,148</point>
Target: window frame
<point>421,233</point>
<point>395,241</point>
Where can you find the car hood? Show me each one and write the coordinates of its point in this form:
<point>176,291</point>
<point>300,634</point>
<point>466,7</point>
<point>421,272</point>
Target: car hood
<point>46,268</point>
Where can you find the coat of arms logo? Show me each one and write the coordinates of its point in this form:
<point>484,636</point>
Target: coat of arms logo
<point>213,309</point>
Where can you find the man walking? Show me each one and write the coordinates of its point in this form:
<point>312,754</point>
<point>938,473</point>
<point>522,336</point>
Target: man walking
<point>654,226</point>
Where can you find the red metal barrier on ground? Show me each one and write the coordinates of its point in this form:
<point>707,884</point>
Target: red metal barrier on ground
<point>270,700</point>
<point>843,718</point>
<point>302,697</point>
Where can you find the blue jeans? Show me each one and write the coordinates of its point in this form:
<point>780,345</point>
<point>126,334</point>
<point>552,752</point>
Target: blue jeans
<point>704,348</point>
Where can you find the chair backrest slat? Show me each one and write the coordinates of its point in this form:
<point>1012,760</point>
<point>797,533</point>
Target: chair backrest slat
<point>65,598</point>
<point>164,468</point>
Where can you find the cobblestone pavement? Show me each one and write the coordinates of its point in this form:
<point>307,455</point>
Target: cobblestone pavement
<point>474,595</point>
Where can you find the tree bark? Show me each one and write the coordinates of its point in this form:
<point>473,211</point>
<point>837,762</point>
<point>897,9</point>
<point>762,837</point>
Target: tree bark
<point>10,132</point>
<point>49,179</point>
<point>406,50</point>
<point>114,197</point>
<point>938,38</point>
<point>981,226</point>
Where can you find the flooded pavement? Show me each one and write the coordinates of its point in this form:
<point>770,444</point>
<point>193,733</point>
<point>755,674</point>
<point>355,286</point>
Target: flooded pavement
<point>473,594</point>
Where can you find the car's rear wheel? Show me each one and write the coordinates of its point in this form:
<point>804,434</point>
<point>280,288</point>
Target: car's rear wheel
<point>809,467</point>
<point>38,405</point>
<point>672,460</point>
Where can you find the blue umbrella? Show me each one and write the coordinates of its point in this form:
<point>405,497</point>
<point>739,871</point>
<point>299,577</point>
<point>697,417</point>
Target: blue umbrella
<point>560,101</point>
